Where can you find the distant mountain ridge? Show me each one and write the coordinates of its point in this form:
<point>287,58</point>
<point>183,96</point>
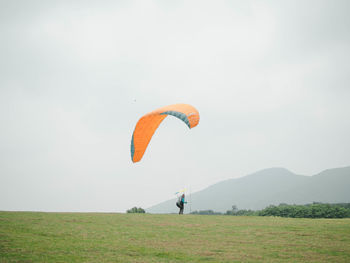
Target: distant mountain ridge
<point>266,187</point>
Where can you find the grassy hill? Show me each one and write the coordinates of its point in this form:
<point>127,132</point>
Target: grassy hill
<point>97,237</point>
<point>267,187</point>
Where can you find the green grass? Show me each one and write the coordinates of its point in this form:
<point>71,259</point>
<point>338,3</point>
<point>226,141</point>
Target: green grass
<point>97,237</point>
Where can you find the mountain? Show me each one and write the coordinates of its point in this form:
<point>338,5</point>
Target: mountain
<point>267,187</point>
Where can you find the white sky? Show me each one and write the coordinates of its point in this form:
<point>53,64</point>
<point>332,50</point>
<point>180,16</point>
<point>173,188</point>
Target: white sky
<point>269,78</point>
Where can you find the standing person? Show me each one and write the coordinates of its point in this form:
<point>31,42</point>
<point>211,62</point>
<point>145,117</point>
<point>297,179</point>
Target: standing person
<point>181,203</point>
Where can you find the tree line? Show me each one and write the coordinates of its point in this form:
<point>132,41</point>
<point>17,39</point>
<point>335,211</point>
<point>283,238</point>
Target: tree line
<point>314,210</point>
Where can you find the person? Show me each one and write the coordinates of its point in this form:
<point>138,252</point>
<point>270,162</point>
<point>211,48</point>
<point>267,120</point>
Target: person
<point>181,203</point>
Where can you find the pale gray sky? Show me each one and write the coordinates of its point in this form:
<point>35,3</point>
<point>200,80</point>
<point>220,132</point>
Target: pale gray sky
<point>269,78</point>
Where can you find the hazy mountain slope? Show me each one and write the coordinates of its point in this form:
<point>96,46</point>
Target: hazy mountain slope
<point>331,184</point>
<point>269,186</point>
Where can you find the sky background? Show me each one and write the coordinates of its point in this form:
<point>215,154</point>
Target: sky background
<point>270,80</point>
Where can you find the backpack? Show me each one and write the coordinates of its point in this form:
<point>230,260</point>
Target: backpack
<point>178,202</point>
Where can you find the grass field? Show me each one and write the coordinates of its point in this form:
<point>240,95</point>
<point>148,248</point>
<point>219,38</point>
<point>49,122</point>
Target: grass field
<point>98,237</point>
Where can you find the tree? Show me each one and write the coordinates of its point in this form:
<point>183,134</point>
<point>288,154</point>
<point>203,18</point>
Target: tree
<point>136,210</point>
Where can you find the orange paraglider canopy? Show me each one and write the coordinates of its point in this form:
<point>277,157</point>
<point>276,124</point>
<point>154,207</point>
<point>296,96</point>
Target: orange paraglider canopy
<point>148,124</point>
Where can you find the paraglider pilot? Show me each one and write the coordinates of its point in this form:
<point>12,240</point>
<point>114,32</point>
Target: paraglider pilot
<point>181,203</point>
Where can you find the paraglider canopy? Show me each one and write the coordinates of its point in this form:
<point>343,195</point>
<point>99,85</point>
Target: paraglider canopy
<point>148,124</point>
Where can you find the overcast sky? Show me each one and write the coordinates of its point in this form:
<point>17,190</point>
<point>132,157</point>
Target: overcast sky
<point>270,80</point>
